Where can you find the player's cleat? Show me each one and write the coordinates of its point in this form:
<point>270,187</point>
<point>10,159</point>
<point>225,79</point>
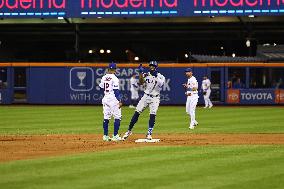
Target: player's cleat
<point>195,124</point>
<point>126,135</point>
<point>205,107</point>
<point>149,137</point>
<point>191,127</point>
<point>131,106</point>
<point>211,106</point>
<point>106,138</point>
<point>116,138</point>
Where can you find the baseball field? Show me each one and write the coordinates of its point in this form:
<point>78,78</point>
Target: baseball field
<point>61,147</point>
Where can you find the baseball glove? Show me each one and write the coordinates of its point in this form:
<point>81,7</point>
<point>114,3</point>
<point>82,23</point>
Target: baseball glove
<point>204,93</point>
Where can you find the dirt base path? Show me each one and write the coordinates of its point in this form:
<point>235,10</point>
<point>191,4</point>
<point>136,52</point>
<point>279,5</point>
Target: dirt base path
<point>35,146</point>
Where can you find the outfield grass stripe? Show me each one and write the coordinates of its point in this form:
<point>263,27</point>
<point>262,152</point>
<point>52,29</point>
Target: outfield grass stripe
<point>132,158</point>
<point>86,119</point>
<point>210,168</point>
<point>198,163</point>
<point>259,183</point>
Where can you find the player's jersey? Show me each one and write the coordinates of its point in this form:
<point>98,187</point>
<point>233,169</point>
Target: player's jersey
<point>134,84</point>
<point>206,84</point>
<point>109,82</point>
<point>192,83</point>
<point>153,85</point>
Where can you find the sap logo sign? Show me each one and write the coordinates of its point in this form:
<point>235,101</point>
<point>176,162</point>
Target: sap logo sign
<point>256,96</point>
<point>81,79</point>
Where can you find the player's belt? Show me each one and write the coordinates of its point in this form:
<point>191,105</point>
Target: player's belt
<point>152,95</point>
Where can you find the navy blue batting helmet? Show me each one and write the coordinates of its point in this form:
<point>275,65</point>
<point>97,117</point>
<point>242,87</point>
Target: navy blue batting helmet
<point>153,63</point>
<point>112,65</point>
<point>188,70</point>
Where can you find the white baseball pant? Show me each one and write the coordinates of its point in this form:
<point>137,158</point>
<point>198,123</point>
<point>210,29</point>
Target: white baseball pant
<point>191,103</point>
<point>152,102</point>
<point>207,98</point>
<point>134,94</point>
<point>111,107</point>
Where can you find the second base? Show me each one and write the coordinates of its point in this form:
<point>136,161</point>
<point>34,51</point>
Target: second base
<point>146,140</point>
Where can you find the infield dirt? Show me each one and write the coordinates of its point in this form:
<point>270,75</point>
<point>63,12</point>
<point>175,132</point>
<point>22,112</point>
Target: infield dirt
<point>18,147</point>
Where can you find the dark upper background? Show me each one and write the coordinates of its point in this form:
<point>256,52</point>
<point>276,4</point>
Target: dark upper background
<point>162,39</point>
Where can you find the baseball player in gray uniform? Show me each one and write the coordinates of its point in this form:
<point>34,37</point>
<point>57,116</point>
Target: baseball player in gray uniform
<point>153,81</point>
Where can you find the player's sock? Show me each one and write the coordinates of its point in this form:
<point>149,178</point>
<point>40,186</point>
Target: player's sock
<point>105,126</point>
<point>133,120</point>
<point>151,123</point>
<point>116,126</point>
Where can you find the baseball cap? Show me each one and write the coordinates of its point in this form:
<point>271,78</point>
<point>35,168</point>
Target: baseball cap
<point>153,63</point>
<point>112,65</point>
<point>188,70</point>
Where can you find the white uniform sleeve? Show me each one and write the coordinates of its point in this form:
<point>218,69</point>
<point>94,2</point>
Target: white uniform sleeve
<point>203,85</point>
<point>115,83</point>
<point>194,83</point>
<point>133,82</point>
<point>209,84</point>
<point>136,84</point>
<point>102,83</point>
<point>160,80</point>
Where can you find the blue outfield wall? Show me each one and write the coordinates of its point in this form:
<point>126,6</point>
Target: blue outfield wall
<point>61,85</point>
<point>6,94</point>
<point>80,85</point>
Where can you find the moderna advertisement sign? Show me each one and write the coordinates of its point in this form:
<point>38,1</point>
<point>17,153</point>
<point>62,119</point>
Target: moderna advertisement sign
<point>137,8</point>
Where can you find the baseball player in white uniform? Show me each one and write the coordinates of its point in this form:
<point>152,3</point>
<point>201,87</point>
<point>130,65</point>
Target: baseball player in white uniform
<point>191,88</point>
<point>111,102</point>
<point>153,81</point>
<point>134,87</point>
<point>206,89</point>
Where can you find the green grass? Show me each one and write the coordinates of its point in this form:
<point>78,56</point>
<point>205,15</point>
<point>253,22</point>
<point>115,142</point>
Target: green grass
<point>88,119</point>
<point>202,167</point>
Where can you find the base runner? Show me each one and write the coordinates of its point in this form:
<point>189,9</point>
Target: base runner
<point>153,81</point>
